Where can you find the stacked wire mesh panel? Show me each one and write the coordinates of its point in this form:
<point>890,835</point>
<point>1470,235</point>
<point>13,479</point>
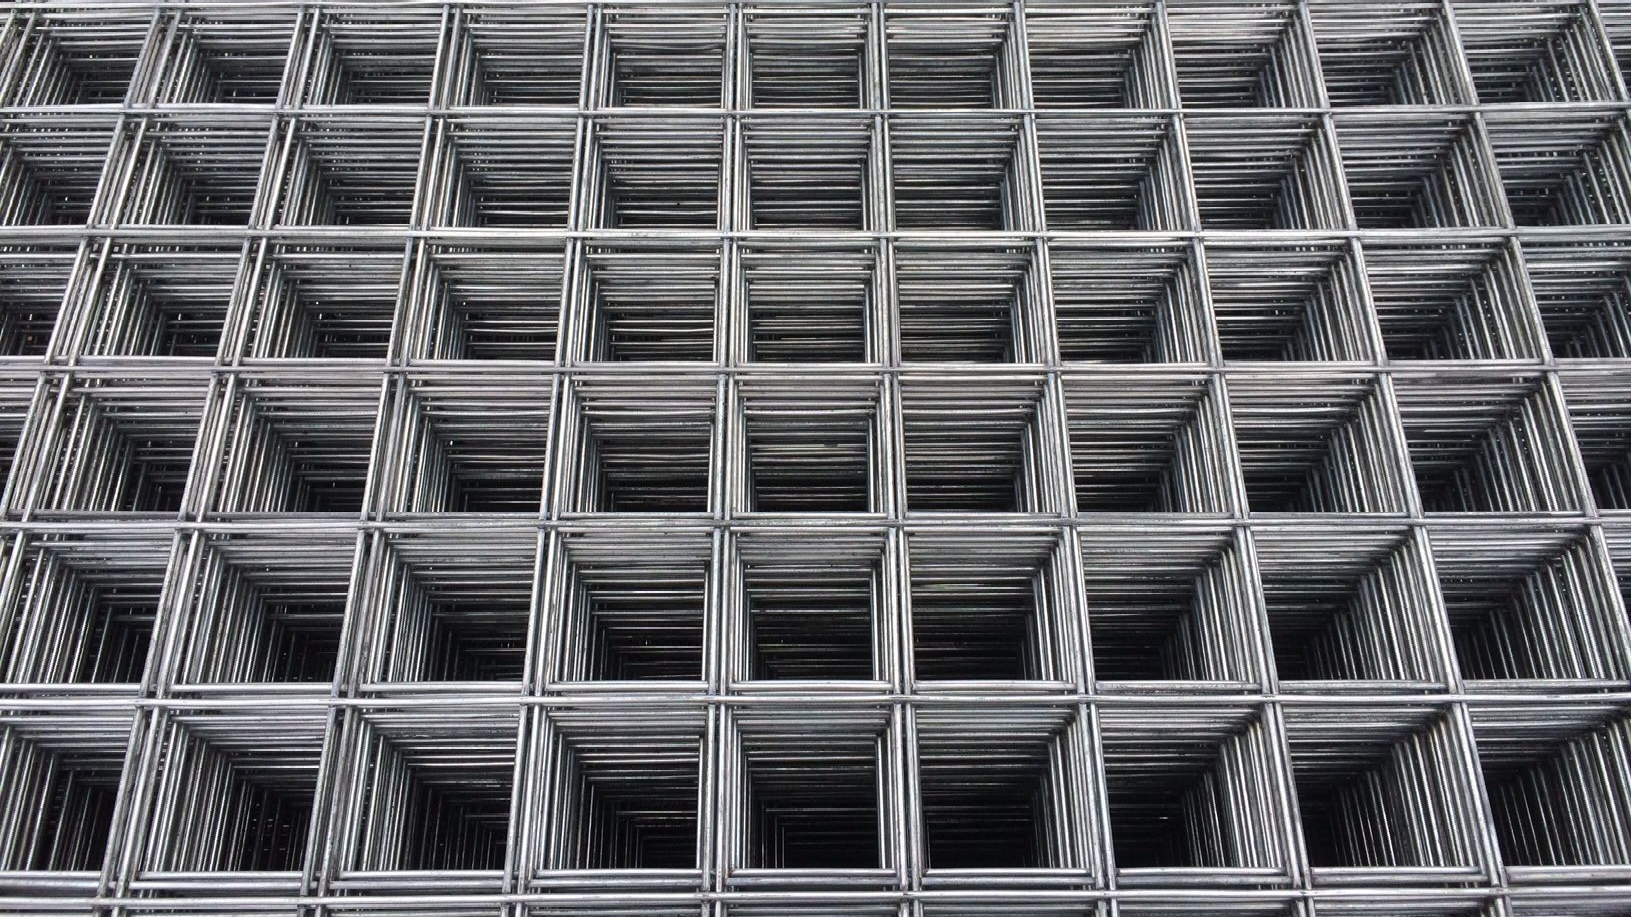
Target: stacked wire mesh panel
<point>1087,458</point>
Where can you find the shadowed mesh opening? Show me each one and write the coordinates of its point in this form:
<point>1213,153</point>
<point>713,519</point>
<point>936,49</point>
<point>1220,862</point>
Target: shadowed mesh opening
<point>53,164</point>
<point>83,609</point>
<point>1417,172</point>
<point>812,607</point>
<point>1454,301</point>
<point>811,790</point>
<point>66,58</point>
<point>1317,444</point>
<point>1123,303</point>
<point>447,614</point>
<point>1264,171</point>
<point>520,56</point>
<point>995,788</point>
<point>634,456</point>
<point>1197,792</point>
<point>309,439</point>
<point>1530,604</point>
<point>434,789</point>
<point>974,448</point>
<point>1552,53</point>
<point>1552,784</point>
<point>806,58</point>
<point>225,56</point>
<point>632,607</point>
<point>1147,446</point>
<point>1583,291</point>
<point>811,305</point>
<point>626,786</point>
<point>320,301</point>
<point>1487,445</point>
<point>61,790</point>
<point>1168,606</point>
<point>365,57</point>
<point>989,608</point>
<point>1097,57</point>
<point>33,279</point>
<point>1404,54</point>
<point>1597,409</point>
<point>1299,303</point>
<point>661,57</point>
<point>1377,788</point>
<point>267,610</point>
<point>943,57</point>
<point>119,446</point>
<point>158,301</point>
<point>810,454</point>
<point>1350,605</point>
<point>252,776</point>
<point>1243,55</point>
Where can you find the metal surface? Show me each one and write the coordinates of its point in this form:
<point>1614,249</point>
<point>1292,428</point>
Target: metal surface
<point>926,458</point>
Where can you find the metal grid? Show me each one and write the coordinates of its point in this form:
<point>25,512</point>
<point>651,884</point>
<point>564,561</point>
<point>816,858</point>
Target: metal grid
<point>913,459</point>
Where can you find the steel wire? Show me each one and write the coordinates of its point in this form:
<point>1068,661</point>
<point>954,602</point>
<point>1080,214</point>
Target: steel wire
<point>925,458</point>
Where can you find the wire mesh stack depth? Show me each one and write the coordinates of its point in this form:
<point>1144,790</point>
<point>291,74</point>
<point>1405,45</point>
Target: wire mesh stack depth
<point>925,458</point>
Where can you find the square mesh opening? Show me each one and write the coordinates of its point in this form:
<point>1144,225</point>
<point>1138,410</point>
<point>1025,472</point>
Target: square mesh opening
<point>1168,607</point>
<point>1403,54</point>
<point>1488,445</point>
<point>942,57</point>
<point>455,451</point>
<point>520,56</point>
<point>998,787</point>
<point>66,57</point>
<point>363,56</point>
<point>83,609</point>
<point>810,791</point>
<point>663,57</point>
<point>432,790</point>
<point>1199,793</point>
<point>253,776</point>
<point>324,301</point>
<point>811,304</point>
<point>59,786</point>
<point>1452,301</point>
<point>1318,444</point>
<point>978,448</point>
<point>1378,789</point>
<point>806,58</point>
<point>1299,303</point>
<point>631,456</point>
<point>1148,445</point>
<point>1552,53</point>
<point>445,607</point>
<point>626,785</point>
<point>631,607</point>
<point>1531,604</point>
<point>1109,56</point>
<point>309,439</point>
<point>266,610</point>
<point>33,281</point>
<point>811,609</point>
<point>1243,55</point>
<point>1557,798</point>
<point>989,608</point>
<point>1351,605</point>
<point>1126,303</point>
<point>116,445</point>
<point>222,56</point>
<point>1583,291</point>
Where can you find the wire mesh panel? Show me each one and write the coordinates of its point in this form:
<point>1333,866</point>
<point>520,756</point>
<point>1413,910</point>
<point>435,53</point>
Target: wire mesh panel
<point>815,458</point>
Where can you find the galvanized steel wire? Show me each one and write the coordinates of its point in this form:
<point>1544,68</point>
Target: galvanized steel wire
<point>913,458</point>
